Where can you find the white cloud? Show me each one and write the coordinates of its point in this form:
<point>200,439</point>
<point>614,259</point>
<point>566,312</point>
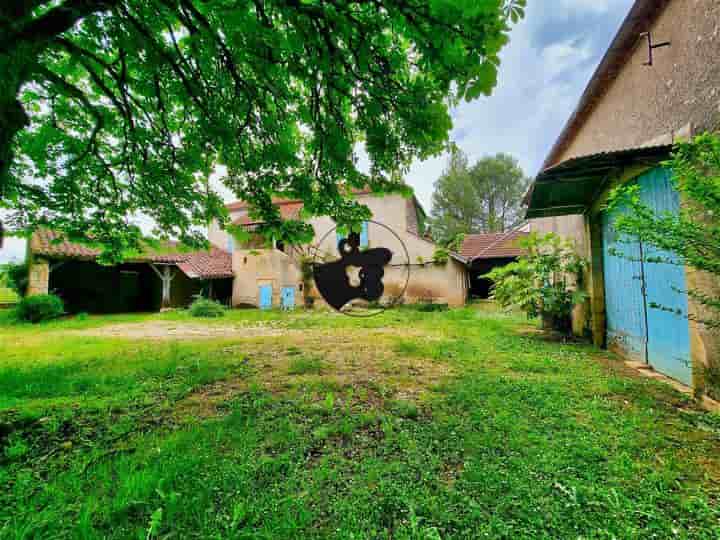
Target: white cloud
<point>537,91</point>
<point>593,6</point>
<point>563,56</point>
<point>13,250</point>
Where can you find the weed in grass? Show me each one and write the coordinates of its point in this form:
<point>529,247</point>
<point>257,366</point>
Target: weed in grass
<point>306,365</point>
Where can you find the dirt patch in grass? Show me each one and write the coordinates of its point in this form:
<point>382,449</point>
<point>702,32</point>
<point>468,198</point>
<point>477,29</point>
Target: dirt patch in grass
<point>363,359</point>
<point>169,330</point>
<point>357,365</point>
<point>209,401</point>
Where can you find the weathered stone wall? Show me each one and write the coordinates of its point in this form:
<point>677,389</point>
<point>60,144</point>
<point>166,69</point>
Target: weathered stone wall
<point>676,97</point>
<point>38,276</point>
<point>255,268</point>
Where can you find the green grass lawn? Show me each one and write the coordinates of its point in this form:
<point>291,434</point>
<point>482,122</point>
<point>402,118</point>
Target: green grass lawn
<point>7,296</point>
<point>410,425</point>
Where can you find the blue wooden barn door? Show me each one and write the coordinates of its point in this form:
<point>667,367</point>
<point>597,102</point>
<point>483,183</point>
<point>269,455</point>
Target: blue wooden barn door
<point>624,303</point>
<point>668,329</point>
<point>265,296</point>
<point>646,300</point>
<point>287,298</point>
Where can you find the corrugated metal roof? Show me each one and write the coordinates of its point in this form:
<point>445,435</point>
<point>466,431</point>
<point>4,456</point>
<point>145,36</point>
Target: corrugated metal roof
<point>571,186</point>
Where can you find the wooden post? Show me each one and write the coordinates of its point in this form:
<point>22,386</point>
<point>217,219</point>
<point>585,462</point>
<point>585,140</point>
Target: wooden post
<point>166,278</point>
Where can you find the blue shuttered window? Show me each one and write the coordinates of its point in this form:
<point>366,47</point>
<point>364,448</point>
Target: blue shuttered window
<point>364,235</point>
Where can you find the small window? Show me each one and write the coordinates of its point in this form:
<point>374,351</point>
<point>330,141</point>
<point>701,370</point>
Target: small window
<point>230,244</point>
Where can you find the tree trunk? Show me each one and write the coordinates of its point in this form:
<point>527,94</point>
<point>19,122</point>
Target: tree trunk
<point>14,67</point>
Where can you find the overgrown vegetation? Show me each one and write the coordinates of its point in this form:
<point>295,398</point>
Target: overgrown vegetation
<point>207,308</point>
<point>104,102</point>
<point>450,425</point>
<point>544,282</point>
<point>39,308</point>
<point>15,277</point>
<point>7,295</point>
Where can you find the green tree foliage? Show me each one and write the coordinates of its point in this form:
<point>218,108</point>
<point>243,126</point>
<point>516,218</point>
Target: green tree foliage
<point>543,282</point>
<point>694,233</point>
<point>16,277</point>
<point>111,109</point>
<point>481,198</point>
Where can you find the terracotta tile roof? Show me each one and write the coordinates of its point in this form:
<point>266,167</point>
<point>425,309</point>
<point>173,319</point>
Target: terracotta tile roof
<point>281,201</point>
<point>288,210</point>
<point>492,245</point>
<point>239,205</point>
<point>212,264</point>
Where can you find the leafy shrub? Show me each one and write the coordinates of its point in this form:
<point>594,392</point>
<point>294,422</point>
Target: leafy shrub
<point>16,277</point>
<point>203,307</point>
<point>441,256</point>
<point>38,308</point>
<point>543,282</point>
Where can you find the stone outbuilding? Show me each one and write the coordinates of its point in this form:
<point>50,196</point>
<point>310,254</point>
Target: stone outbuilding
<point>485,252</point>
<point>163,278</point>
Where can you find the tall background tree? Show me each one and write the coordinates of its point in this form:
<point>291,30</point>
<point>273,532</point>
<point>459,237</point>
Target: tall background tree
<point>114,108</point>
<point>480,198</point>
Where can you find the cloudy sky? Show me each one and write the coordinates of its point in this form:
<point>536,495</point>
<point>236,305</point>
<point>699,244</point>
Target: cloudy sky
<point>545,68</point>
<point>549,60</point>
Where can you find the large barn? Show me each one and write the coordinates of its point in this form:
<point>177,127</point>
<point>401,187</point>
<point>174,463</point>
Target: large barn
<point>639,101</point>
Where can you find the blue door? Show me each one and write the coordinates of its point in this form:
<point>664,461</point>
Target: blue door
<point>287,298</point>
<point>624,302</point>
<point>668,329</point>
<point>265,296</point>
<point>646,300</point>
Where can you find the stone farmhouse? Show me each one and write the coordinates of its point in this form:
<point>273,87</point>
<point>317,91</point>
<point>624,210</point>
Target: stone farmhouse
<point>267,276</point>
